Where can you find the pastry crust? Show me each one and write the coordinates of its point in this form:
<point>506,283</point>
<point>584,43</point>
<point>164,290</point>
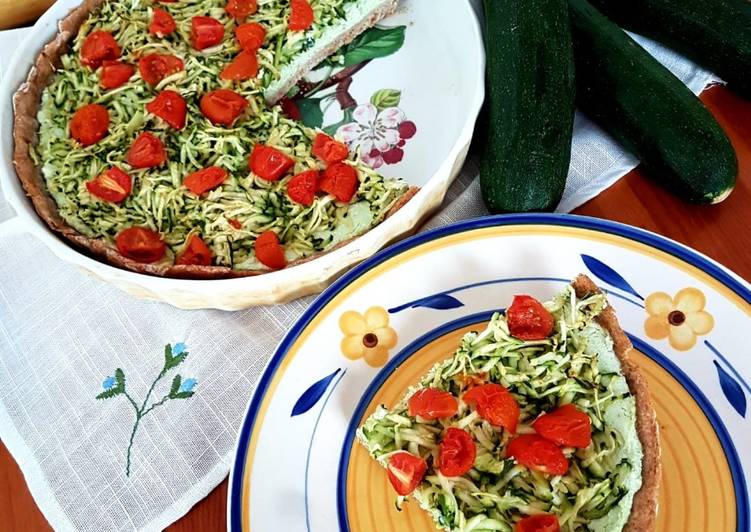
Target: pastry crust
<point>26,102</point>
<point>644,508</point>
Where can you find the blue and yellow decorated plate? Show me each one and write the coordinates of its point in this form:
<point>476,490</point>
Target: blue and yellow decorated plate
<point>297,467</point>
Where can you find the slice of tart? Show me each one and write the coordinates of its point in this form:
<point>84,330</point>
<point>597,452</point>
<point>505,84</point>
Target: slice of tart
<point>143,134</point>
<point>539,422</point>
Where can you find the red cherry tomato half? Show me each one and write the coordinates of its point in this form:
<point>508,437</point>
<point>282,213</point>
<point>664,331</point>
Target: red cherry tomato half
<point>302,187</point>
<point>240,9</point>
<point>340,180</point>
<point>250,36</point>
<point>170,106</point>
<point>269,163</point>
<point>566,425</point>
<point>538,523</point>
<point>114,74</point>
<point>155,67</point>
<point>146,151</point>
<point>431,403</point>
<point>269,251</point>
<point>204,180</point>
<point>113,185</point>
<point>98,47</point>
<point>300,16</point>
<point>243,66</point>
<point>222,106</point>
<point>457,452</point>
<point>406,471</point>
<point>89,124</point>
<point>196,253</point>
<point>205,32</point>
<point>535,452</point>
<point>528,319</point>
<point>162,23</point>
<point>140,244</point>
<point>329,150</point>
<point>495,404</point>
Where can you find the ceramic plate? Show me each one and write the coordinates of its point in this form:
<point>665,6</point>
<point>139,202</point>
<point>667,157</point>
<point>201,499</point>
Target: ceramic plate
<point>297,467</point>
<point>409,98</point>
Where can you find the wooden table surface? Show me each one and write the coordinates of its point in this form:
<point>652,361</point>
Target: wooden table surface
<point>722,232</point>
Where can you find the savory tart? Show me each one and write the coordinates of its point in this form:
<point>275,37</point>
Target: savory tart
<point>540,422</point>
<point>144,133</point>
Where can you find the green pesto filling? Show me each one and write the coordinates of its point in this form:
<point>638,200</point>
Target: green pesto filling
<point>158,200</point>
<point>575,365</point>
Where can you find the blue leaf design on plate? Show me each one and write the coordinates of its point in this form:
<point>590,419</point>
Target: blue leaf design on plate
<point>437,301</point>
<point>607,274</point>
<point>312,395</point>
<point>732,390</point>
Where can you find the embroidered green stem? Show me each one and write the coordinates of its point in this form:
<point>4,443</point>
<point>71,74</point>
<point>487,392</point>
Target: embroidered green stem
<point>179,389</point>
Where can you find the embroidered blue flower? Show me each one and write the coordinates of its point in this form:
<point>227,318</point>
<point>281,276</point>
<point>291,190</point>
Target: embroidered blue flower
<point>188,385</point>
<point>109,383</point>
<point>178,349</point>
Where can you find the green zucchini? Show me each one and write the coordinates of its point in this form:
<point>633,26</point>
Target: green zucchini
<point>717,35</point>
<point>649,111</point>
<point>529,114</point>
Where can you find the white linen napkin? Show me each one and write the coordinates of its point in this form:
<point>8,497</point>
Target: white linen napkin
<point>63,334</point>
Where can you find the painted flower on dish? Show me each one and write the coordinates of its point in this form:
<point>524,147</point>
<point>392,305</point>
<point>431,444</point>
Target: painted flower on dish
<point>367,335</point>
<point>379,133</point>
<point>680,319</point>
<point>109,383</point>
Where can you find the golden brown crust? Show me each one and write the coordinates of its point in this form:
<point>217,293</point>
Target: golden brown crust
<point>644,508</point>
<point>26,103</point>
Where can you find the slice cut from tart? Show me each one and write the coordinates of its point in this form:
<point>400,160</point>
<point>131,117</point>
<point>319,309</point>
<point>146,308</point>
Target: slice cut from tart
<point>539,422</point>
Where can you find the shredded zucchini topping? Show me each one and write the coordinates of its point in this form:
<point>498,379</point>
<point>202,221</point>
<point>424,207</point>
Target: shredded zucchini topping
<point>575,365</point>
<point>159,201</point>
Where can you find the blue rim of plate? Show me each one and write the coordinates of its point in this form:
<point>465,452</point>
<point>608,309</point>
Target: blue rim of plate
<point>666,245</point>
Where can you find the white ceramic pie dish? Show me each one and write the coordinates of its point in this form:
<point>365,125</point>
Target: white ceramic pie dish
<point>440,76</point>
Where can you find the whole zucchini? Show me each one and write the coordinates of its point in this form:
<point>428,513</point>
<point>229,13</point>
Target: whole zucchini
<point>649,111</point>
<point>529,113</point>
<point>717,35</point>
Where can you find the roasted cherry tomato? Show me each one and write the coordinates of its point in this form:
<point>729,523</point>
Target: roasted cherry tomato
<point>114,74</point>
<point>535,452</point>
<point>405,471</point>
<point>566,425</point>
<point>114,185</point>
<point>140,244</point>
<point>196,253</point>
<point>269,163</point>
<point>243,66</point>
<point>250,36</point>
<point>495,404</point>
<point>98,47</point>
<point>538,523</point>
<point>205,32</point>
<point>170,106</point>
<point>162,23</point>
<point>155,67</point>
<point>528,319</point>
<point>240,9</point>
<point>340,180</point>
<point>431,403</point>
<point>329,150</point>
<point>237,224</point>
<point>302,187</point>
<point>290,108</point>
<point>89,124</point>
<point>457,452</point>
<point>204,180</point>
<point>222,106</point>
<point>146,151</point>
<point>269,251</point>
<point>300,16</point>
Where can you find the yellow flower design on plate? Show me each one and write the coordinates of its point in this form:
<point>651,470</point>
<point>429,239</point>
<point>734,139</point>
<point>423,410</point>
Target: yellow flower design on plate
<point>367,335</point>
<point>681,318</point>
